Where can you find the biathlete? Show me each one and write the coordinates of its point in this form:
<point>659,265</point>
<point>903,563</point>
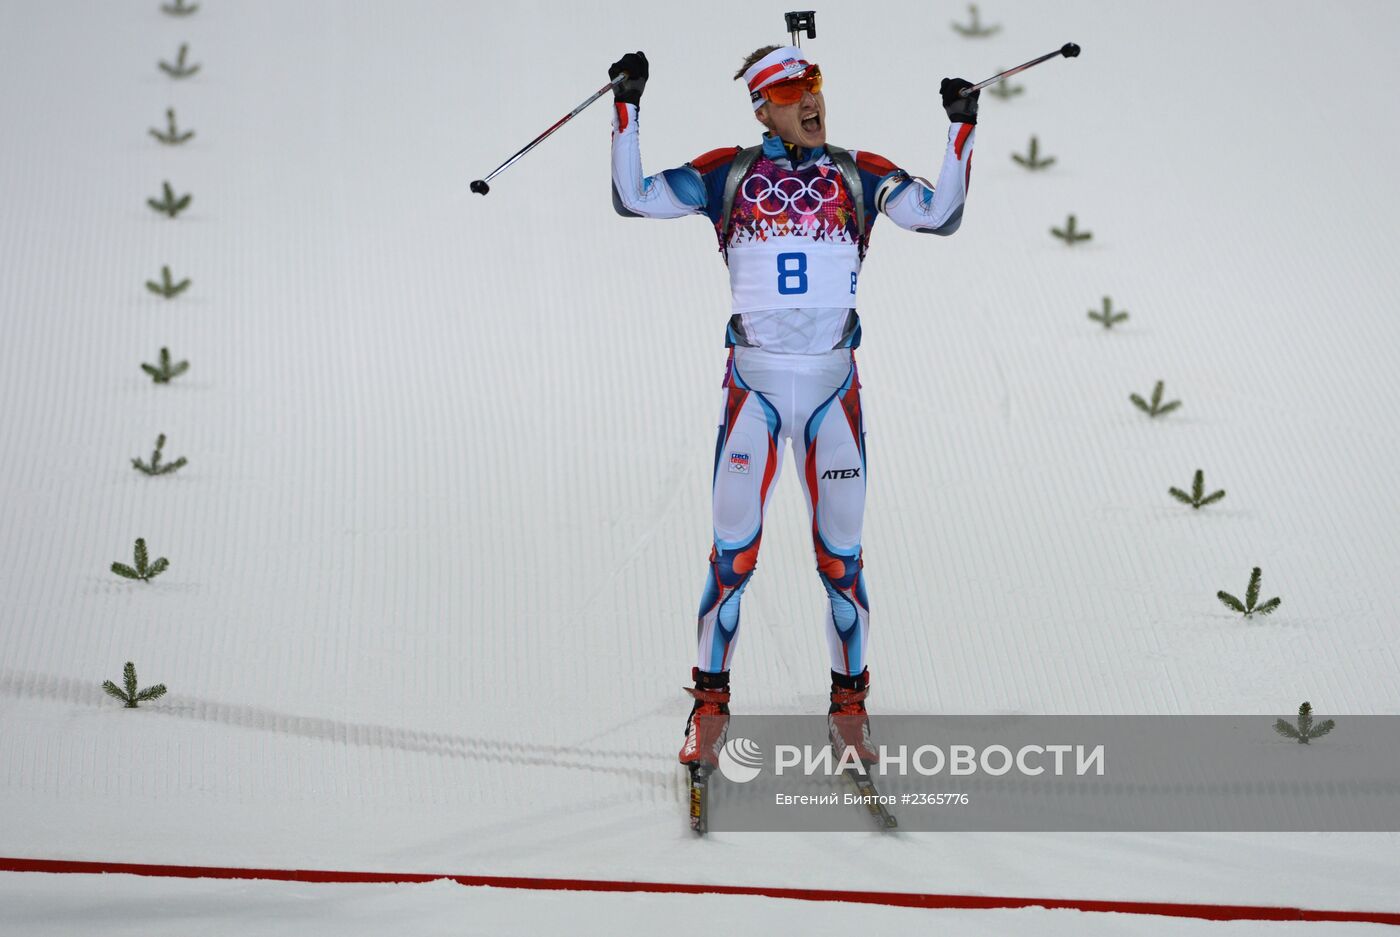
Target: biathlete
<point>793,217</point>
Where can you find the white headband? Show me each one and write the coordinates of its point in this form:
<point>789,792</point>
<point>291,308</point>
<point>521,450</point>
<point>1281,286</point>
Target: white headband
<point>778,65</point>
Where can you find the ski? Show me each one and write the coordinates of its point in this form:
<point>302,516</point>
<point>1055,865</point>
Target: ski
<point>870,800</point>
<point>699,799</point>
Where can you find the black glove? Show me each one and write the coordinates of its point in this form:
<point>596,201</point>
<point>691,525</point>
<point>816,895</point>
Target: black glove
<point>629,91</point>
<point>961,110</point>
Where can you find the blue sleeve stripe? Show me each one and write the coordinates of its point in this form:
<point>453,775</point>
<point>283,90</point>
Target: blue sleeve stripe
<point>686,185</point>
<point>898,189</point>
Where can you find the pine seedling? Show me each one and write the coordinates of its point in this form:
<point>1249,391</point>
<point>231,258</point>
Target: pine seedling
<point>155,468</point>
<point>1197,498</point>
<point>1071,234</point>
<point>1251,596</point>
<point>1108,317</point>
<point>1033,159</point>
<point>1004,89</point>
<point>975,29</point>
<point>169,204</point>
<point>171,136</point>
<point>1156,407</point>
<point>179,69</point>
<point>167,287</point>
<point>178,8</point>
<point>143,570</point>
<point>1305,729</point>
<point>130,696</point>
<point>165,372</point>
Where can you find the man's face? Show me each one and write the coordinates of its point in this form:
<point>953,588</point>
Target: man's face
<point>803,123</point>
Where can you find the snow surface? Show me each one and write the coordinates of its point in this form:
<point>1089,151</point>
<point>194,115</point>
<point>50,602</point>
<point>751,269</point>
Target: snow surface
<point>436,555</point>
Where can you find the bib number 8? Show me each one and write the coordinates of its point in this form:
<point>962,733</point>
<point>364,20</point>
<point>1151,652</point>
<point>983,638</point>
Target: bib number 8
<point>792,274</point>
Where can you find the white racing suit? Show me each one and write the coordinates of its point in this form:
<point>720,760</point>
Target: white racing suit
<point>794,253</point>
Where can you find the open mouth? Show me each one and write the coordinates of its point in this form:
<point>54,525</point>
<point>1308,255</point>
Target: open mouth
<point>812,123</point>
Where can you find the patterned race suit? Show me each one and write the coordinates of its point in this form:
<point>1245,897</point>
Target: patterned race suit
<point>794,254</point>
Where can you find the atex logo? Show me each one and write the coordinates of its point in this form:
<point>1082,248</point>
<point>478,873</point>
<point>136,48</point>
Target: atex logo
<point>841,473</point>
<point>740,760</point>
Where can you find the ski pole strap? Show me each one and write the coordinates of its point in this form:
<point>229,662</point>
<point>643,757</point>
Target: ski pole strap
<point>705,695</point>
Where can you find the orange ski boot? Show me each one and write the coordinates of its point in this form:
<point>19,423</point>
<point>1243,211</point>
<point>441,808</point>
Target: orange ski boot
<point>708,723</point>
<point>847,721</point>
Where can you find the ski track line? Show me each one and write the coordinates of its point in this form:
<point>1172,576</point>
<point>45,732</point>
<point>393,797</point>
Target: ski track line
<point>1207,912</point>
<point>372,735</point>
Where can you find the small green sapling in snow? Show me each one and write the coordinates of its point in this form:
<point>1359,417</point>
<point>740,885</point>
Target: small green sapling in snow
<point>1004,89</point>
<point>1251,597</point>
<point>155,468</point>
<point>179,69</point>
<point>167,370</point>
<point>1070,233</point>
<point>1197,498</point>
<point>1108,318</point>
<point>1033,160</point>
<point>130,696</point>
<point>1156,407</point>
<point>143,570</point>
<point>975,29</point>
<point>169,204</point>
<point>1305,729</point>
<point>167,287</point>
<point>171,136</point>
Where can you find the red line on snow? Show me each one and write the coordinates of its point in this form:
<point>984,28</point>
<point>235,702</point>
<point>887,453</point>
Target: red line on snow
<point>1209,912</point>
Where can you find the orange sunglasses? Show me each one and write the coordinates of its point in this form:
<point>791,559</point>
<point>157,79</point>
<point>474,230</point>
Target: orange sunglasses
<point>791,90</point>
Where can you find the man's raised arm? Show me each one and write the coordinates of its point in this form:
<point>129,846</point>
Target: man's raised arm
<point>911,203</point>
<point>672,193</point>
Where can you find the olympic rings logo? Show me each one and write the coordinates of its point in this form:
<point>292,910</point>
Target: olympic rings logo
<point>792,193</point>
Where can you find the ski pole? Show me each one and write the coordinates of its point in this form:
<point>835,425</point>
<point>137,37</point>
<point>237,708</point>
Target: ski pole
<point>480,187</point>
<point>1069,50</point>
